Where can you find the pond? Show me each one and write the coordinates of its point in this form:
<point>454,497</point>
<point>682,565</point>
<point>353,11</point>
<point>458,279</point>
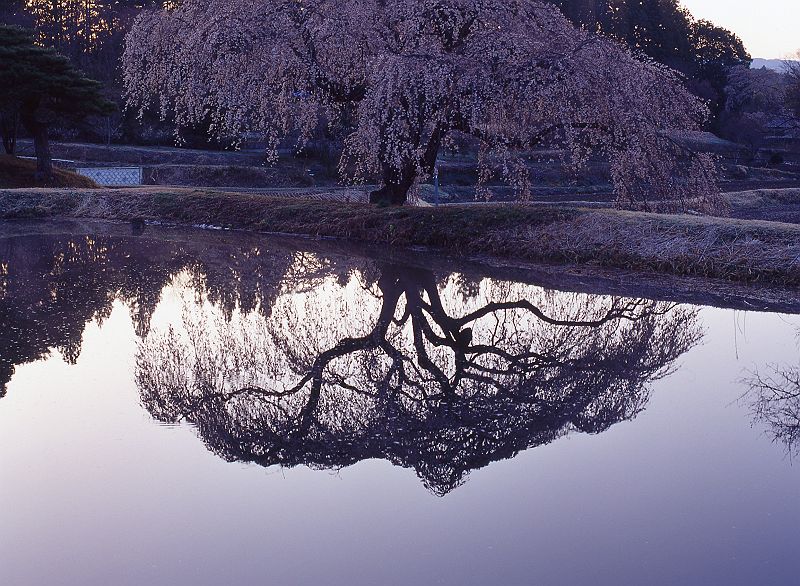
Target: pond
<point>192,407</point>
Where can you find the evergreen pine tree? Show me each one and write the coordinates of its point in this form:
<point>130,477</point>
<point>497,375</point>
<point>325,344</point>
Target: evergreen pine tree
<point>43,88</point>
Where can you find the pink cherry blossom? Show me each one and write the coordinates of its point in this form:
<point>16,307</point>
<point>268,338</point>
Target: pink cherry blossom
<point>405,77</point>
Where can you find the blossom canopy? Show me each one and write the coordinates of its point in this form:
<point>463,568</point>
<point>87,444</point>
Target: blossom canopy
<point>404,77</point>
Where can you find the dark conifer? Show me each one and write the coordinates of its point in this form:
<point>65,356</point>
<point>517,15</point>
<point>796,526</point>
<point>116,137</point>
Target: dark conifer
<point>43,88</point>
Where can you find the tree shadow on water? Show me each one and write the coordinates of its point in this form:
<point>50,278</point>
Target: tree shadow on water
<point>289,357</point>
<point>441,377</point>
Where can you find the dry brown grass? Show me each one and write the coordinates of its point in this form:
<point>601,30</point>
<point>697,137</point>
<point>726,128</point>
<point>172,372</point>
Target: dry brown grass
<point>686,245</point>
<point>740,250</point>
<point>19,173</point>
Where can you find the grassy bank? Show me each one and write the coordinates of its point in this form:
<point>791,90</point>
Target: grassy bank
<point>734,249</point>
<point>16,173</point>
<point>780,205</point>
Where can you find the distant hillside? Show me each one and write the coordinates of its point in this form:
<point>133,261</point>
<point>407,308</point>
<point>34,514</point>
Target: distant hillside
<point>774,64</point>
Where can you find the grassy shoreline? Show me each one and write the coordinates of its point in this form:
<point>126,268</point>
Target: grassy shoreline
<point>737,250</point>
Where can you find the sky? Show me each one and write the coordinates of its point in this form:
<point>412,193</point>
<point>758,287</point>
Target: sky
<point>770,29</point>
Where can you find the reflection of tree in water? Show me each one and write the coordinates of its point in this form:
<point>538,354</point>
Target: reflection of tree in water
<point>49,292</point>
<point>775,402</point>
<point>293,358</point>
<point>52,286</point>
<point>390,365</point>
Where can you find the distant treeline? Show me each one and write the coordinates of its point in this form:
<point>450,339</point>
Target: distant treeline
<point>668,33</point>
<point>90,32</point>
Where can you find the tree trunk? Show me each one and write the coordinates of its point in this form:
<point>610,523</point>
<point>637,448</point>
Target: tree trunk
<point>44,161</point>
<point>396,185</point>
<point>9,125</point>
<point>398,182</point>
<point>41,145</point>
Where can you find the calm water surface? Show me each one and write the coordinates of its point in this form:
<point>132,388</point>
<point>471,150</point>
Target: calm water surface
<point>186,408</point>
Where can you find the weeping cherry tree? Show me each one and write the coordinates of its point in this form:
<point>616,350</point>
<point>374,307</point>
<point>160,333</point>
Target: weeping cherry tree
<point>405,78</point>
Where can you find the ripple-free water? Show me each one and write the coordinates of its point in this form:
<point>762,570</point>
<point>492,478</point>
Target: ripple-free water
<point>180,408</point>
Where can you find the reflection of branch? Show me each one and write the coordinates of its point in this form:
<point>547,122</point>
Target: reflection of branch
<point>420,386</point>
<point>620,310</point>
<point>775,401</point>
